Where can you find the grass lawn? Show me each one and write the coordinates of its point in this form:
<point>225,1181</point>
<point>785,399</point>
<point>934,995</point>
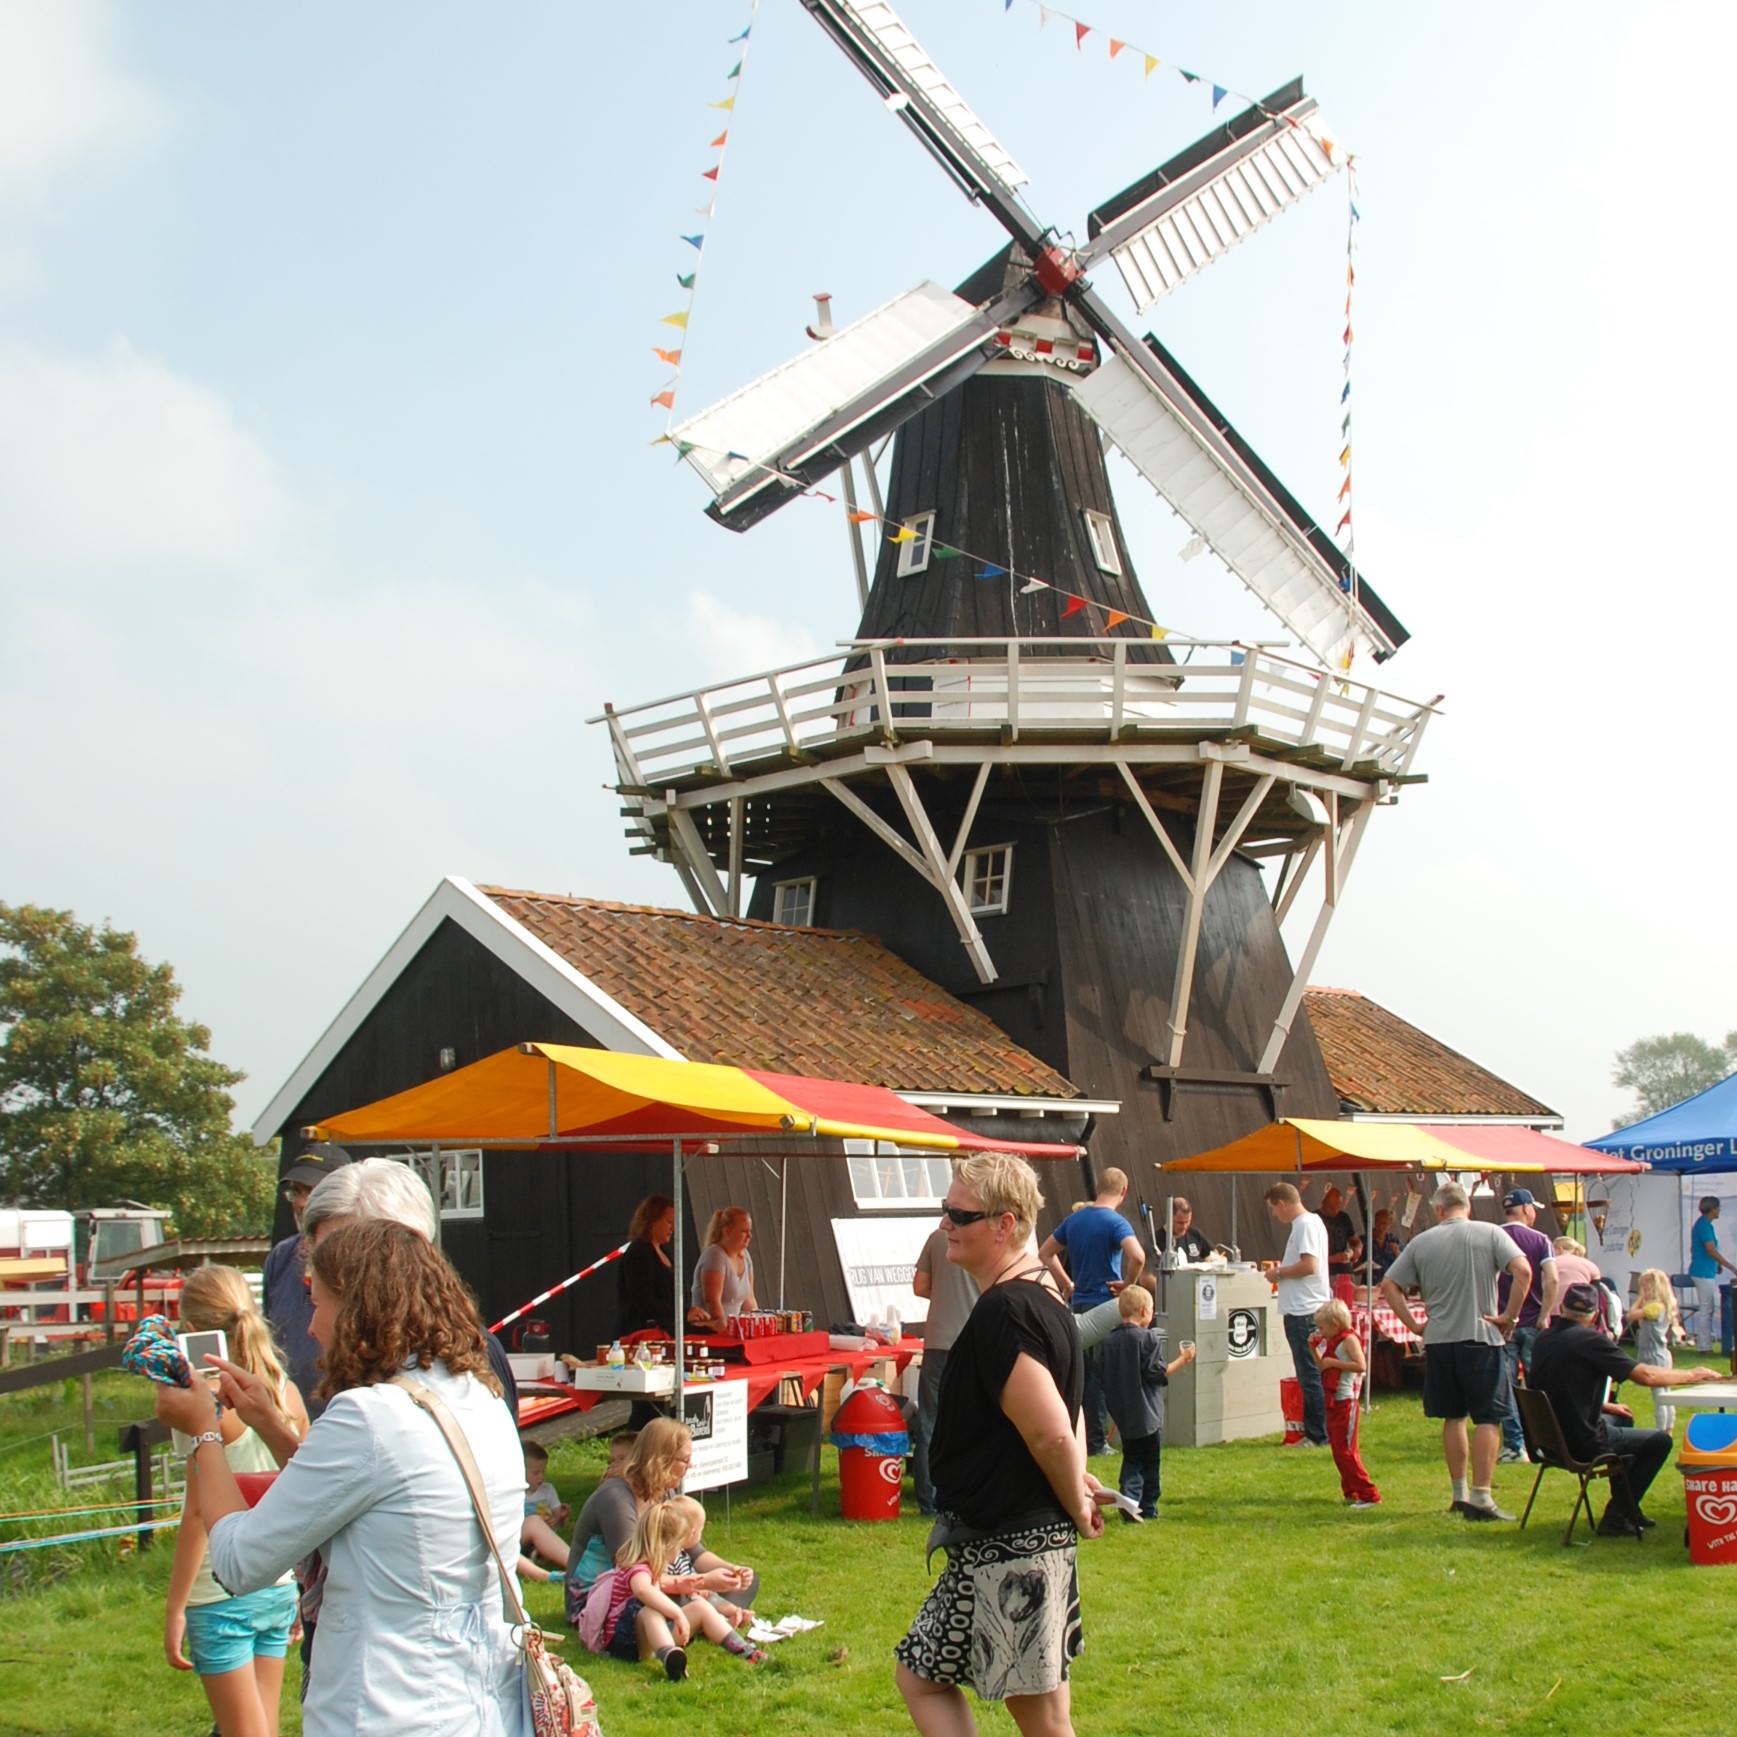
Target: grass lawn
<point>1256,1603</point>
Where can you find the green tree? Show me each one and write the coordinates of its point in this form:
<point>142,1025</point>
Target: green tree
<point>1662,1071</point>
<point>104,1094</point>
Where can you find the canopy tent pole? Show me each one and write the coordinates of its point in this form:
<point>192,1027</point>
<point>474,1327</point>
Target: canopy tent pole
<point>434,1186</point>
<point>554,1129</point>
<point>783,1218</point>
<point>681,1313</point>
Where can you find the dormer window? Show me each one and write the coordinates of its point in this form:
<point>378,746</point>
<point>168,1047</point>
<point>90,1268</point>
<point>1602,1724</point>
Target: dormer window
<point>989,879</point>
<point>914,555</point>
<point>1101,534</point>
<point>793,903</point>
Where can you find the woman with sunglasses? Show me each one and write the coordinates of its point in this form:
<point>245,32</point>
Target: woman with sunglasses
<point>1008,1463</point>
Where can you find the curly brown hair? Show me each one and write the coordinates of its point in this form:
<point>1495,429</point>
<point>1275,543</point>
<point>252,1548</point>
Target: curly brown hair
<point>399,1303</point>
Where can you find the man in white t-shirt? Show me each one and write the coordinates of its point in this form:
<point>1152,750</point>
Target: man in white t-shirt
<point>1301,1277</point>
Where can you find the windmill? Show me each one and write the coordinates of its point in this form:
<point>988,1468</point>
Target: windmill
<point>982,722</point>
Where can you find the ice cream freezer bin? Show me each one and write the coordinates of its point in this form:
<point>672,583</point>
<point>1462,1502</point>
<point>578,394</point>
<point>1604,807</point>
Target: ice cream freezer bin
<point>1231,1390</point>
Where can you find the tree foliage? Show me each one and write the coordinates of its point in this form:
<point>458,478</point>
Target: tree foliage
<point>1662,1071</point>
<point>105,1095</point>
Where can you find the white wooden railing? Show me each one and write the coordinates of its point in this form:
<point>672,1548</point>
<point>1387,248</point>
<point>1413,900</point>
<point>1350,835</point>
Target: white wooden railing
<point>1013,687</point>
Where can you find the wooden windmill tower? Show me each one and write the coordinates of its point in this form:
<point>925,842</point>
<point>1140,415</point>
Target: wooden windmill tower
<point>1014,784</point>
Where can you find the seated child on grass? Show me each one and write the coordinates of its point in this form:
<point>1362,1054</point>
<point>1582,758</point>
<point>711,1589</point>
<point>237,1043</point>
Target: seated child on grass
<point>544,1511</point>
<point>1135,1376</point>
<point>1338,1354</point>
<point>630,1615</point>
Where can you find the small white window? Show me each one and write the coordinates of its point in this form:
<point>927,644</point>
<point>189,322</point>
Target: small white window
<point>1101,534</point>
<point>793,903</point>
<point>989,878</point>
<point>883,1177</point>
<point>914,555</point>
<point>458,1191</point>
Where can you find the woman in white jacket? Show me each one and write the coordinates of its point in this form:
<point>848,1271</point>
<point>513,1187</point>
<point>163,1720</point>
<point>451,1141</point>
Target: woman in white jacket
<point>413,1637</point>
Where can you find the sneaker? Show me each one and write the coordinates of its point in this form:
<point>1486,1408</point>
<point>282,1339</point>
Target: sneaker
<point>1477,1511</point>
<point>1302,1441</point>
<point>675,1664</point>
<point>1511,1457</point>
<point>1375,1504</point>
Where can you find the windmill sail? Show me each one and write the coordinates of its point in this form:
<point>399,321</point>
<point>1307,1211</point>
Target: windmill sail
<point>792,426</point>
<point>1174,436</point>
<point>1181,217</point>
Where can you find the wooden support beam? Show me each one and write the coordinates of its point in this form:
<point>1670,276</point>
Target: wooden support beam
<point>1184,981</point>
<point>958,906</point>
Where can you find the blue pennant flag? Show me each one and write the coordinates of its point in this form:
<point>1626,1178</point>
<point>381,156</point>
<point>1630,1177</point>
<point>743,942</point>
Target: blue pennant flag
<point>695,241</point>
<point>1238,659</point>
<point>744,36</point>
<point>992,572</point>
<point>1356,215</point>
<point>1346,393</point>
<point>1219,93</point>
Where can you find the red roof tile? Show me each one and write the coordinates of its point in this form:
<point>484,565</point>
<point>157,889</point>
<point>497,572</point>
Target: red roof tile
<point>1381,1065</point>
<point>826,1002</point>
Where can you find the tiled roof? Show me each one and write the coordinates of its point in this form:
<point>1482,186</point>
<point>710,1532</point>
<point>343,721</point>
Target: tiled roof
<point>827,1002</point>
<point>1383,1066</point>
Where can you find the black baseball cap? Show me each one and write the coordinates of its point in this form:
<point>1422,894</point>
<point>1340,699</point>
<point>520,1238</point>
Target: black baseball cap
<point>1580,1300</point>
<point>312,1168</point>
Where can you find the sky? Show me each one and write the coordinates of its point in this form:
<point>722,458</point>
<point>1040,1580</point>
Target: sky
<point>329,509</point>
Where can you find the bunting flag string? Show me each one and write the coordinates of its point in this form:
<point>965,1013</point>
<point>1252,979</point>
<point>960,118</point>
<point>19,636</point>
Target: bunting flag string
<point>1029,583</point>
<point>1346,529</point>
<point>665,398</point>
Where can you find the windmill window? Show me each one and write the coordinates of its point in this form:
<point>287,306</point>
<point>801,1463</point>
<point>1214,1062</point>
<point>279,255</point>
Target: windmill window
<point>458,1186</point>
<point>1101,534</point>
<point>989,879</point>
<point>885,1178</point>
<point>914,556</point>
<point>793,903</point>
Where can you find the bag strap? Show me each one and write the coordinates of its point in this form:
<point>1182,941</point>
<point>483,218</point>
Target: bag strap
<point>426,1399</point>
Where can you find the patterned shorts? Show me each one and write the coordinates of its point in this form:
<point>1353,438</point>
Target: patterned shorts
<point>1004,1618</point>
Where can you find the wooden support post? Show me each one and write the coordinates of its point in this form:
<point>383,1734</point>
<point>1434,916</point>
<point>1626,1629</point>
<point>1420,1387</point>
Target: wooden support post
<point>84,1383</point>
<point>1183,985</point>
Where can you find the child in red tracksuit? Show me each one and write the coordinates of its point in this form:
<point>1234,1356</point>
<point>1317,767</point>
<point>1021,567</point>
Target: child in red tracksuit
<point>1338,1354</point>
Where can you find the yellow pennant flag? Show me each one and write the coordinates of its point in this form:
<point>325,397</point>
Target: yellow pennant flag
<point>727,103</point>
<point>905,535</point>
<point>1151,65</point>
<point>1160,632</point>
<point>1345,457</point>
<point>680,320</point>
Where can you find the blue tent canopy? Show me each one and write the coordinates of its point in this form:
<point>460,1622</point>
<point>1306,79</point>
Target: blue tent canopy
<point>1700,1133</point>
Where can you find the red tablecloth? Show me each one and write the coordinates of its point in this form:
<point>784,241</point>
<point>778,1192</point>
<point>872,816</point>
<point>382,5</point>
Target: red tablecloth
<point>1387,1324</point>
<point>763,1379</point>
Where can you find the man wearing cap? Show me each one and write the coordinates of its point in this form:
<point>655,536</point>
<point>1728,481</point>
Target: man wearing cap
<point>1571,1363</point>
<point>287,1305</point>
<point>1455,1265</point>
<point>1520,1224</point>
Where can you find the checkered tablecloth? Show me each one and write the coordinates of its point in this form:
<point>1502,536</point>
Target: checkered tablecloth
<point>1387,1324</point>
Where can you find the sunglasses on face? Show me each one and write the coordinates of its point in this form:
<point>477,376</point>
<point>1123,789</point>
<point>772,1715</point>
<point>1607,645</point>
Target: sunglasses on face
<point>957,1215</point>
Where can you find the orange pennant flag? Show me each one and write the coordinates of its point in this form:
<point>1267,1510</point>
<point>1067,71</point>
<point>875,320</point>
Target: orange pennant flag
<point>718,142</point>
<point>666,399</point>
<point>1344,488</point>
<point>673,357</point>
<point>1327,148</point>
<point>859,518</point>
<point>1116,47</point>
<point>1115,619</point>
<point>1347,334</point>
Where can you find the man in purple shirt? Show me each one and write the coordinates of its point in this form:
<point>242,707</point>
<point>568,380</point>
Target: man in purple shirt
<point>1520,1223</point>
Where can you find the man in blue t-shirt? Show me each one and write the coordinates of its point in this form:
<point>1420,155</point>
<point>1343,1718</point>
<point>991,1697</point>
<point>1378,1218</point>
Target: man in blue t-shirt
<point>1103,1255</point>
<point>1705,1261</point>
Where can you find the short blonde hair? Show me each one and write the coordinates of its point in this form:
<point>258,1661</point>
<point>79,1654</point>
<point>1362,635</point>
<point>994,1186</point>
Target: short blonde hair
<point>1003,1183</point>
<point>1113,1181</point>
<point>1282,1194</point>
<point>1332,1316</point>
<point>1135,1303</point>
<point>693,1515</point>
<point>1568,1245</point>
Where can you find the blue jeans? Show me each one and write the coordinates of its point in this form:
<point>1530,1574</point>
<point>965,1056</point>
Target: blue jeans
<point>1297,1331</point>
<point>928,1399</point>
<point>1140,1471</point>
<point>1518,1350</point>
<point>1097,1412</point>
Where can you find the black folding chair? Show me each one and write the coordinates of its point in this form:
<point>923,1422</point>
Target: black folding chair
<point>1543,1434</point>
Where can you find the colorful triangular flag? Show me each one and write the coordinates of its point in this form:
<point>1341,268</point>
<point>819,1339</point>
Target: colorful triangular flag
<point>1116,47</point>
<point>1115,619</point>
<point>710,174</point>
<point>1075,605</point>
<point>1032,585</point>
<point>686,278</point>
<point>673,357</point>
<point>1219,93</point>
<point>744,36</point>
<point>1343,522</point>
<point>666,399</point>
<point>1346,393</point>
<point>1151,65</point>
<point>1081,32</point>
<point>735,71</point>
<point>680,321</point>
<point>727,103</point>
<point>904,534</point>
<point>1345,456</point>
<point>696,242</point>
<point>1192,77</point>
<point>1160,632</point>
<point>718,142</point>
<point>945,552</point>
<point>991,572</point>
<point>859,518</point>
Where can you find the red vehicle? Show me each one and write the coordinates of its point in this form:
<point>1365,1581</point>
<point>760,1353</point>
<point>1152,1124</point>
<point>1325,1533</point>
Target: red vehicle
<point>48,1259</point>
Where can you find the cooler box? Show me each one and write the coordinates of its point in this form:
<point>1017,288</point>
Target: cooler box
<point>1708,1463</point>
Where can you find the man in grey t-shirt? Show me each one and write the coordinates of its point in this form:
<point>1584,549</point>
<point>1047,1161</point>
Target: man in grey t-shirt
<point>952,1294</point>
<point>1455,1265</point>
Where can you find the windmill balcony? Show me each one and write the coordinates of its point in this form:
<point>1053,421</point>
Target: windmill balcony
<point>1072,692</point>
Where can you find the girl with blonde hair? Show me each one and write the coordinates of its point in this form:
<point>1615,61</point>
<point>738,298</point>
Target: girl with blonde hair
<point>237,1645</point>
<point>1657,1323</point>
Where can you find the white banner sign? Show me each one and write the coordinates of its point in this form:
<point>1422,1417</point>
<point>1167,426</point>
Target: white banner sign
<point>879,1257</point>
<point>716,1412</point>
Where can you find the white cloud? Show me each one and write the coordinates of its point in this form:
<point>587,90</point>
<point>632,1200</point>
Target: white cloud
<point>63,100</point>
<point>731,643</point>
<point>117,463</point>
